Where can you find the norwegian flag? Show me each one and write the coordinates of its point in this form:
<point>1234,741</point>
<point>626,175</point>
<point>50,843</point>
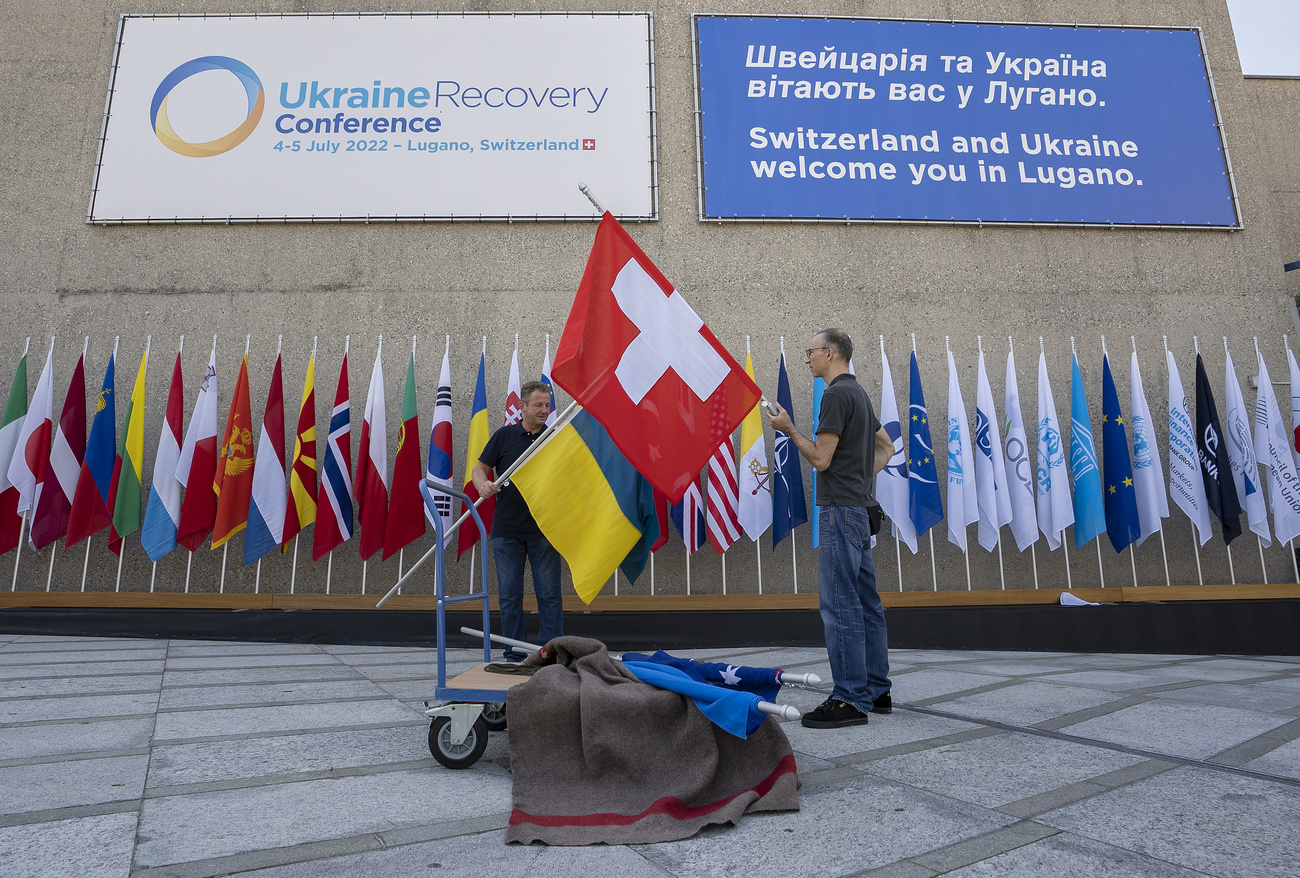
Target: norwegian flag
<point>688,517</point>
<point>724,524</point>
<point>334,519</point>
<point>642,362</point>
<point>514,403</point>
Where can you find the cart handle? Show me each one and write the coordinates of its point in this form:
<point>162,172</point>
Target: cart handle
<point>425,485</point>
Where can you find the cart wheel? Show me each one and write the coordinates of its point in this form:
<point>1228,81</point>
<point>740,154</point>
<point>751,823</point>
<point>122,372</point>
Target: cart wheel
<point>494,716</point>
<point>461,755</point>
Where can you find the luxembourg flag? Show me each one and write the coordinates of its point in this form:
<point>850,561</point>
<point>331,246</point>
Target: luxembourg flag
<point>162,515</point>
<point>440,462</point>
<point>372,463</point>
<point>267,503</point>
<point>334,520</point>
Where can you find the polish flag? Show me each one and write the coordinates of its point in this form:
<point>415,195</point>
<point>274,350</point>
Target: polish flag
<point>644,364</point>
<point>372,464</point>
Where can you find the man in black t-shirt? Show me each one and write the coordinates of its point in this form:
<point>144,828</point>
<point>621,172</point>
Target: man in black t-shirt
<point>515,535</point>
<point>850,448</point>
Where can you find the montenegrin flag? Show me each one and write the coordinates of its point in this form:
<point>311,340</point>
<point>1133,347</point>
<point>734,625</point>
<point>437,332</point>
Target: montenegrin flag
<point>590,504</point>
<point>301,510</point>
<point>478,439</point>
<point>372,463</point>
<point>91,504</point>
<point>334,523</point>
<point>196,469</point>
<point>644,364</point>
<point>233,480</point>
<point>162,514</point>
<point>15,410</point>
<point>405,507</point>
<point>266,501</point>
<point>67,451</point>
<point>128,469</point>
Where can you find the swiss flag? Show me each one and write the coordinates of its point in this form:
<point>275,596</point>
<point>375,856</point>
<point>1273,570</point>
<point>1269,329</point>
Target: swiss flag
<point>637,357</point>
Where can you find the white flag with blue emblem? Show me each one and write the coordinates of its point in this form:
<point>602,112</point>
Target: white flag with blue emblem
<point>1241,454</point>
<point>990,468</point>
<point>1020,470</point>
<point>963,502</point>
<point>1148,474</point>
<point>1055,509</point>
<point>1276,450</point>
<point>1185,483</point>
<point>892,485</point>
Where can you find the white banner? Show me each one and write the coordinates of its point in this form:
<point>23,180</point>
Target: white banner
<point>382,117</point>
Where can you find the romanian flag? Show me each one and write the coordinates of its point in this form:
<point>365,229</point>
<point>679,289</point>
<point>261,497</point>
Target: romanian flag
<point>478,438</point>
<point>128,470</point>
<point>589,502</point>
<point>233,480</point>
<point>302,472</point>
<point>405,505</point>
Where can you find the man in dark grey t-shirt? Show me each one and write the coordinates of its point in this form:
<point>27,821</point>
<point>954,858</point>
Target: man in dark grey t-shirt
<point>848,451</point>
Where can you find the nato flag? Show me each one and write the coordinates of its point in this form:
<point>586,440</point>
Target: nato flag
<point>1122,522</point>
<point>1216,471</point>
<point>789,509</point>
<point>926,504</point>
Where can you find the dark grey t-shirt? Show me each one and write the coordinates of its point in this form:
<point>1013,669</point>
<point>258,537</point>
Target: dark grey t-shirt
<point>846,411</point>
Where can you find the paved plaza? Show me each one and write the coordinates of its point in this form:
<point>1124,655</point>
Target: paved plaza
<point>188,758</point>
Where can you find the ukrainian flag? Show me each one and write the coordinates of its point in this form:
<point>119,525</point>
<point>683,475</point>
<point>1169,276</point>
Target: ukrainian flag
<point>591,504</point>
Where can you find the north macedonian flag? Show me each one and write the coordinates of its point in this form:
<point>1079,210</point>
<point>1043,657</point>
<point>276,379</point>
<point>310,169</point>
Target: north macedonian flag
<point>233,480</point>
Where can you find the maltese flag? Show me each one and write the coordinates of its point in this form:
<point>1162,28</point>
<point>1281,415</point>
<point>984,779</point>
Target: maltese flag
<point>643,363</point>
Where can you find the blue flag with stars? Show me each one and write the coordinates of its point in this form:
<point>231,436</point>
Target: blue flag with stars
<point>1122,522</point>
<point>926,506</point>
<point>1089,514</point>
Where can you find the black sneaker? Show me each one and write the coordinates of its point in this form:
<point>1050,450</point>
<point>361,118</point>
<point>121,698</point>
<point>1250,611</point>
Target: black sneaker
<point>884,704</point>
<point>834,714</point>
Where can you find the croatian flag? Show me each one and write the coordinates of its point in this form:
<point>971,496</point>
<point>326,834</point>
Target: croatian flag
<point>267,502</point>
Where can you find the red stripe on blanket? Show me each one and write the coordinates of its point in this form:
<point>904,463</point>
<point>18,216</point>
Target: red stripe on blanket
<point>670,806</point>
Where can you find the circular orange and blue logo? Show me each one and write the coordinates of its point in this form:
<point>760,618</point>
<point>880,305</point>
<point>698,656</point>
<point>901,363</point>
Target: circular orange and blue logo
<point>162,125</point>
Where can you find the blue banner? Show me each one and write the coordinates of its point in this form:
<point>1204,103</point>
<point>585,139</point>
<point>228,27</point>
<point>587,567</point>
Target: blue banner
<point>863,119</point>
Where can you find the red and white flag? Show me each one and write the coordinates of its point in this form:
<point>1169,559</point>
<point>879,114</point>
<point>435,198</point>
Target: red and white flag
<point>197,465</point>
<point>724,524</point>
<point>32,454</point>
<point>66,452</point>
<point>514,403</point>
<point>372,464</point>
<point>643,363</point>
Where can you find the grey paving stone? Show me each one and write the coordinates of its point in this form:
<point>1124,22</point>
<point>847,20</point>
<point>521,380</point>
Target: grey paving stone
<point>210,761</point>
<point>1177,728</point>
<point>236,676</point>
<point>419,670</point>
<point>1211,671</point>
<point>1226,825</point>
<point>937,682</point>
<point>414,691</point>
<point>1250,697</point>
<point>178,829</point>
<point>1069,856</point>
<point>99,846</point>
<point>1113,680</point>
<point>964,853</point>
<point>1028,703</point>
<point>1283,762</point>
<point>257,720</point>
<point>243,649</point>
<point>1000,769</point>
<point>900,727</point>
<point>97,669</point>
<point>80,656</point>
<point>210,696</point>
<point>840,829</point>
<point>55,644</point>
<point>31,742</point>
<point>418,657</point>
<point>90,685</point>
<point>216,662</point>
<point>65,784</point>
<point>24,710</point>
<point>474,855</point>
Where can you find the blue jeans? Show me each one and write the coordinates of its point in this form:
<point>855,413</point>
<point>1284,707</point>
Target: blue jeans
<point>856,639</point>
<point>510,556</point>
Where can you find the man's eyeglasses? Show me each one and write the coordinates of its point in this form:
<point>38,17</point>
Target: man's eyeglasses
<point>807,355</point>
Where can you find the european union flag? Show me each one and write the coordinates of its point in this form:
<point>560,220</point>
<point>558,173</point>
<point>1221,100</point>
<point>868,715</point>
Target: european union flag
<point>789,509</point>
<point>1089,514</point>
<point>1122,522</point>
<point>926,504</point>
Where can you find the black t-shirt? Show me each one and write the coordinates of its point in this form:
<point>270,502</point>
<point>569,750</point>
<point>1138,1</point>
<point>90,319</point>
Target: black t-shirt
<point>512,518</point>
<point>846,411</point>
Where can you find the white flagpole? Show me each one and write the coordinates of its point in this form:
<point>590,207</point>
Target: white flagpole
<point>1100,571</point>
<point>121,552</point>
<point>1231,572</point>
<point>1196,547</point>
<point>293,571</point>
<point>188,566</point>
<point>257,580</point>
<point>652,574</point>
<point>724,572</point>
<point>18,551</point>
<point>794,563</point>
<point>85,565</point>
<point>1133,561</point>
<point>1262,566</point>
<point>49,577</point>
<point>898,555</point>
<point>759,553</point>
<point>153,576</point>
<point>401,558</point>
<point>1164,554</point>
<point>1065,550</point>
<point>616,582</point>
<point>225,552</point>
<point>1295,564</point>
<point>688,571</point>
<point>363,576</point>
<point>1033,554</point>
<point>472,552</point>
<point>329,571</point>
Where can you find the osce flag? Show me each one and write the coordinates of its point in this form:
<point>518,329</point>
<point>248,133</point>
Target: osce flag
<point>643,363</point>
<point>590,504</point>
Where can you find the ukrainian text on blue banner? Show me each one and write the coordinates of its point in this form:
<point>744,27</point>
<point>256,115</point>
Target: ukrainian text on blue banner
<point>940,121</point>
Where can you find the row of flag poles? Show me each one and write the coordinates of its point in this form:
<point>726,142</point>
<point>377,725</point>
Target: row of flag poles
<point>60,482</point>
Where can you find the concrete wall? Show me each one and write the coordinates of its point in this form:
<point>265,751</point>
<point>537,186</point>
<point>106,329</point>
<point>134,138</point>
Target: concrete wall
<point>61,276</point>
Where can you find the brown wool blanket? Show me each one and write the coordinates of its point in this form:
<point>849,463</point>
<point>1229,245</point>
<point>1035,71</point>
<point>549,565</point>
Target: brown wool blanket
<point>600,757</point>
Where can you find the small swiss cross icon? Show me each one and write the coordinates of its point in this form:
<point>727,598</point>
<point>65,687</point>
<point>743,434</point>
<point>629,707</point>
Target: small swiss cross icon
<point>589,143</point>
